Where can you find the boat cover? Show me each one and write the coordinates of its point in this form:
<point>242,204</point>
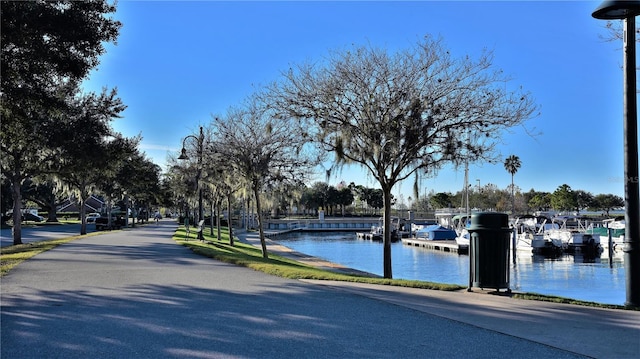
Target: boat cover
<point>436,233</point>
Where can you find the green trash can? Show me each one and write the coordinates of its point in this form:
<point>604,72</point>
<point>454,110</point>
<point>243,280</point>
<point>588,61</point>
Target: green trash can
<point>489,251</point>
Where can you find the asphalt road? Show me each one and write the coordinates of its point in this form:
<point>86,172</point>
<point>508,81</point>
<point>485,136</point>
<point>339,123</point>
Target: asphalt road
<point>136,294</point>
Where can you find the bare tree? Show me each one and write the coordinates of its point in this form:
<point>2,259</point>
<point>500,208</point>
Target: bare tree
<point>263,149</point>
<point>396,113</point>
<point>615,31</point>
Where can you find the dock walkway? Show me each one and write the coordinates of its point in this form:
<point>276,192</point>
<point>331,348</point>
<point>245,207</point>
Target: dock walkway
<point>446,246</point>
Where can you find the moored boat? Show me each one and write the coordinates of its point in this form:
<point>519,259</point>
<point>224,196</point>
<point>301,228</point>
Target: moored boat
<point>530,235</point>
<point>610,227</point>
<point>435,233</point>
<point>575,239</point>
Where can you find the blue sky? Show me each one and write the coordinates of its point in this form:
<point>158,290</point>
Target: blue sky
<point>178,63</point>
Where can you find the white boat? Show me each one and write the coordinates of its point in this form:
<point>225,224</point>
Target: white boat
<point>463,238</point>
<point>574,238</point>
<point>613,227</point>
<point>530,235</point>
<point>377,232</point>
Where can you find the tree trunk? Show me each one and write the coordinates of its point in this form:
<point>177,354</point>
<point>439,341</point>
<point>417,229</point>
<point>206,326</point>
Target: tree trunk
<point>211,221</point>
<point>387,232</point>
<point>134,213</point>
<point>52,215</point>
<point>513,197</point>
<point>263,243</point>
<point>83,215</point>
<point>218,204</point>
<point>247,214</point>
<point>126,211</point>
<point>230,222</point>
<point>16,194</point>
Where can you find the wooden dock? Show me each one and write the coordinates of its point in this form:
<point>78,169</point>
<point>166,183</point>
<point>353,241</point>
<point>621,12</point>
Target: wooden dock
<point>446,246</point>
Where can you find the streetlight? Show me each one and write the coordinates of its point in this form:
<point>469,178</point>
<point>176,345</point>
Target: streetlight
<point>184,156</point>
<point>627,11</point>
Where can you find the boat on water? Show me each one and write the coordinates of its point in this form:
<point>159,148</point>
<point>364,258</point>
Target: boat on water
<point>435,232</point>
<point>463,239</point>
<point>610,227</point>
<point>377,232</point>
<point>574,237</point>
<point>457,222</point>
<point>461,223</point>
<point>530,235</point>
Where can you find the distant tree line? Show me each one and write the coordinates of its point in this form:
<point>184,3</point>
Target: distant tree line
<point>490,197</point>
<point>352,200</point>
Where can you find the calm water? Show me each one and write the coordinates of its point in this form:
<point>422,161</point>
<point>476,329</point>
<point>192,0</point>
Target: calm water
<point>572,276</point>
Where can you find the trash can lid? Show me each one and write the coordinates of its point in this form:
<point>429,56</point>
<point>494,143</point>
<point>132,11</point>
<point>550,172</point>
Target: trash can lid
<point>489,220</point>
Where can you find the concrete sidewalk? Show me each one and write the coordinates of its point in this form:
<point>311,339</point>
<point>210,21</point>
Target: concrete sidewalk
<point>593,332</point>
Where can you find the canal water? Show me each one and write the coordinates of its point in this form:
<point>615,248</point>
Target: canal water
<point>599,279</point>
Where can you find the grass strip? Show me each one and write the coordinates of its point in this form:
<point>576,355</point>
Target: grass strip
<point>563,300</point>
<point>251,257</point>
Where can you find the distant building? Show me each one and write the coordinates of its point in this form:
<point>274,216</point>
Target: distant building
<point>93,204</point>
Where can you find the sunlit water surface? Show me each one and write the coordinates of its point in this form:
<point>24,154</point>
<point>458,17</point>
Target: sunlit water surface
<point>598,280</point>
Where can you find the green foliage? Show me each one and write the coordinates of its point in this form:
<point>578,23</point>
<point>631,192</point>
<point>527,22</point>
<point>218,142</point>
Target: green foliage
<point>48,47</point>
<point>607,202</point>
<point>512,164</point>
<point>538,201</point>
<point>441,200</point>
<point>563,198</point>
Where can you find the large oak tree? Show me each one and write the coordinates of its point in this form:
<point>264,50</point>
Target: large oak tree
<point>47,48</point>
<point>395,114</point>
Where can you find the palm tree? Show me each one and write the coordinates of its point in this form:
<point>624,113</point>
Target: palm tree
<point>512,164</point>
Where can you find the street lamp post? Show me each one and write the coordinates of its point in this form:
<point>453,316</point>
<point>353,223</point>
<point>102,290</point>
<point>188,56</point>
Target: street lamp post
<point>627,11</point>
<point>184,156</point>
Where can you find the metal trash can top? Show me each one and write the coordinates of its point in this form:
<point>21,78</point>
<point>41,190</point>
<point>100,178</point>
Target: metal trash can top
<point>489,220</point>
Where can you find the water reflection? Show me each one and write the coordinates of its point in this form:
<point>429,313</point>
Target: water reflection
<point>599,278</point>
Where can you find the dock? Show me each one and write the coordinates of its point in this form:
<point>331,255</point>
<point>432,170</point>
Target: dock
<point>445,246</point>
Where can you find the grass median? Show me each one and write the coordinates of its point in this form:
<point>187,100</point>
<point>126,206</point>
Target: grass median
<point>249,256</point>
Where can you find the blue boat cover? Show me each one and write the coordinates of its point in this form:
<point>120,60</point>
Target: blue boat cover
<point>436,233</point>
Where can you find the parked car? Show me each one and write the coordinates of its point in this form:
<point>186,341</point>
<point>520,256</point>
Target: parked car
<point>30,217</point>
<point>91,217</point>
<point>117,222</point>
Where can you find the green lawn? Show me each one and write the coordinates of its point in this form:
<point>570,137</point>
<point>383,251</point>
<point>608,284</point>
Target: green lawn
<point>249,256</point>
